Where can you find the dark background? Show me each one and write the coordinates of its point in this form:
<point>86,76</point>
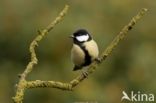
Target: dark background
<point>131,66</point>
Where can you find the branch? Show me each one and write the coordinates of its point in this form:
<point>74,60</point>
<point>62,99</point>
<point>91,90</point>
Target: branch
<point>111,46</point>
<point>108,50</point>
<point>23,84</point>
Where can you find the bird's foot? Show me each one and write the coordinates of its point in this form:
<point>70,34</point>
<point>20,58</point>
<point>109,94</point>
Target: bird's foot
<point>85,74</point>
<point>98,60</point>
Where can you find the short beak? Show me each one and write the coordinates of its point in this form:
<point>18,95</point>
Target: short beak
<point>71,36</point>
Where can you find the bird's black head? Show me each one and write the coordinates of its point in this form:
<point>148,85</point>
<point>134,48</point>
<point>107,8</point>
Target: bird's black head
<point>81,36</point>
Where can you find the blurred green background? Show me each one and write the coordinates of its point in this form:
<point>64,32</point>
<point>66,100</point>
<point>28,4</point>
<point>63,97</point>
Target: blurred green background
<point>131,66</point>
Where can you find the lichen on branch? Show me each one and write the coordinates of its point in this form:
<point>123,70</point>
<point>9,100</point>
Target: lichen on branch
<point>23,84</point>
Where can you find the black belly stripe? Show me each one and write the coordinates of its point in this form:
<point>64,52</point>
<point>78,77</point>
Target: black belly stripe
<point>87,56</point>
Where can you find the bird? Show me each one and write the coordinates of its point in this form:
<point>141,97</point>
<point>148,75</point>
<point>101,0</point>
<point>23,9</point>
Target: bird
<point>84,49</point>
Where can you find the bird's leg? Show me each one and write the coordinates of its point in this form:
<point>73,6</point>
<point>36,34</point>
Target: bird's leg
<point>84,73</point>
<point>98,60</point>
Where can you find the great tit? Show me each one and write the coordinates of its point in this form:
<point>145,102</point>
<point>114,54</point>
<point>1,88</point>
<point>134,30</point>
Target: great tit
<point>84,50</point>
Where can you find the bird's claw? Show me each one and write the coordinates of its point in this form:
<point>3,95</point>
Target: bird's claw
<point>98,60</point>
<point>85,74</point>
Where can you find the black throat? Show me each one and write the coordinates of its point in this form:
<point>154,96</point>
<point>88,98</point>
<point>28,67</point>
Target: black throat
<point>87,56</point>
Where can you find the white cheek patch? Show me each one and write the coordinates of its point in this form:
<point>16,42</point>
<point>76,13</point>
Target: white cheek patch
<point>82,38</point>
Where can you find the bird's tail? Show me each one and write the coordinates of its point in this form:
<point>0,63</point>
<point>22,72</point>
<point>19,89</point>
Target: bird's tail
<point>77,68</point>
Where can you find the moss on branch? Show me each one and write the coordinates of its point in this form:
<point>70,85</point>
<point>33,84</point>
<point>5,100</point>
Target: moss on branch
<point>23,84</point>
